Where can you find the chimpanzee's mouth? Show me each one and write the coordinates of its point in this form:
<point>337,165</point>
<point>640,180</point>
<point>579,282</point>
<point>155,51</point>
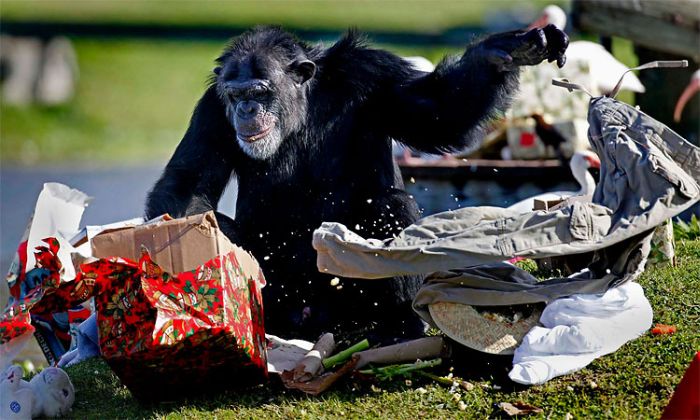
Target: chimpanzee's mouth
<point>254,136</point>
<point>251,137</point>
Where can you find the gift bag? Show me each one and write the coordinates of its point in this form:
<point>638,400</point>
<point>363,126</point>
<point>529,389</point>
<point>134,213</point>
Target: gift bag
<point>168,336</point>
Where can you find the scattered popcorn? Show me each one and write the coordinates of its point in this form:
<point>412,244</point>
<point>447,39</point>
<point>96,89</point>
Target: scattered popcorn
<point>335,281</point>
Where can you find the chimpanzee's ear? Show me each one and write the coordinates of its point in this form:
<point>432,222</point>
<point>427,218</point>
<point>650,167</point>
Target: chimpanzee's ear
<point>303,70</point>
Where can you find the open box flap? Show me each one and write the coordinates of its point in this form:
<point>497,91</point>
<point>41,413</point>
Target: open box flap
<point>175,245</point>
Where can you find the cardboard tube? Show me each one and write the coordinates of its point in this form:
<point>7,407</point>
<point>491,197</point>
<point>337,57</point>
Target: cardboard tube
<point>311,366</point>
<point>410,351</point>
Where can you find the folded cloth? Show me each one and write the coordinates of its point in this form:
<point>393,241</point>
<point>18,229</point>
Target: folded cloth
<point>578,330</point>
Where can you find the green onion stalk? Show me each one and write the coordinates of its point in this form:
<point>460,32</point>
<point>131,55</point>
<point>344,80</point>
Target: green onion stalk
<point>388,372</point>
<point>344,355</point>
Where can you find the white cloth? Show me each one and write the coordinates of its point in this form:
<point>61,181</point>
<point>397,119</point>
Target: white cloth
<point>579,329</point>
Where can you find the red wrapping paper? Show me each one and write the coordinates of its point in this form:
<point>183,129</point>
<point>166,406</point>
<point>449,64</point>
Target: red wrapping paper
<point>166,336</point>
<point>15,319</point>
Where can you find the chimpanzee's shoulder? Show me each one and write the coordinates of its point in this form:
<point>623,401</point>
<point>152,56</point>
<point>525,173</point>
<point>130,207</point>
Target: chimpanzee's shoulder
<point>352,60</point>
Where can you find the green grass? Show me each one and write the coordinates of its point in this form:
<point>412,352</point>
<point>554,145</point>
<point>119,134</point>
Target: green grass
<point>634,382</point>
<point>133,103</point>
<point>384,15</point>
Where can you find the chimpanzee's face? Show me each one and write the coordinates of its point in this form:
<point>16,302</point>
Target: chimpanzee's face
<point>264,97</point>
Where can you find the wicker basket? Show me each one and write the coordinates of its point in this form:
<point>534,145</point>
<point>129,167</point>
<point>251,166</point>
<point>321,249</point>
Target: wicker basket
<point>467,326</point>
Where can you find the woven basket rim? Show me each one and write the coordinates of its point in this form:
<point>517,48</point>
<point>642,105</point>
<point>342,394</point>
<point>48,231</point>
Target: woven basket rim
<point>465,325</point>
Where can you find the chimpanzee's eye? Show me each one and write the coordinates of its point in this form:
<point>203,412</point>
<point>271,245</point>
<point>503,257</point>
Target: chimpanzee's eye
<point>65,392</point>
<point>260,94</point>
<point>235,95</point>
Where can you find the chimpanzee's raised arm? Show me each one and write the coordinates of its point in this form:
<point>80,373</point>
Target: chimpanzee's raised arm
<point>443,110</point>
<point>201,166</point>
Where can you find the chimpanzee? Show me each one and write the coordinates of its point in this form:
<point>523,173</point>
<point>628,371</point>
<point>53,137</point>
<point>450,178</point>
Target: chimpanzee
<point>308,133</point>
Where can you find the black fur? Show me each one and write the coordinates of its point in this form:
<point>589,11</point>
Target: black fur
<point>334,164</point>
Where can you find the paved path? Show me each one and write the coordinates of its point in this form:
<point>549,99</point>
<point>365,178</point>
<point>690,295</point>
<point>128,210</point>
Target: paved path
<point>119,194</point>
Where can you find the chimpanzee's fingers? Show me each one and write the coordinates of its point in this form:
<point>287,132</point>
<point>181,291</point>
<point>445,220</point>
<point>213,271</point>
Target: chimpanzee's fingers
<point>535,39</point>
<point>532,48</point>
<point>557,42</point>
<point>561,61</point>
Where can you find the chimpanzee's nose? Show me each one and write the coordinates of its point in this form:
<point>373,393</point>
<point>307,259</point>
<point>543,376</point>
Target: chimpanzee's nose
<point>248,108</point>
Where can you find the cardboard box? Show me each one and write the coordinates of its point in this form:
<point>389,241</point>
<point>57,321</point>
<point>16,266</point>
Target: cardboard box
<point>540,204</point>
<point>188,317</point>
<point>176,245</point>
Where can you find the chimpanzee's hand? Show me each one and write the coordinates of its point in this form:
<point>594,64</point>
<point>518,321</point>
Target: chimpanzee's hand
<point>509,50</point>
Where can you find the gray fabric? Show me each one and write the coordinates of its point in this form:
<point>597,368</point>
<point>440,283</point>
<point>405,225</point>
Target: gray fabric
<point>648,175</point>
